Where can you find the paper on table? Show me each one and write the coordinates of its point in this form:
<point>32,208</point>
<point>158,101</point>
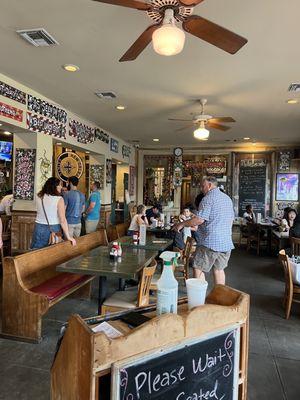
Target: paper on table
<point>109,330</point>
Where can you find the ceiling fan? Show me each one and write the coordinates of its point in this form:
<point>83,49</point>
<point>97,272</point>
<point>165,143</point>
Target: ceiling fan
<point>169,39</point>
<point>204,121</point>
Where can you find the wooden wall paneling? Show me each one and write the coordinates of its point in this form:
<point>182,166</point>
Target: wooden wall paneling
<point>22,225</point>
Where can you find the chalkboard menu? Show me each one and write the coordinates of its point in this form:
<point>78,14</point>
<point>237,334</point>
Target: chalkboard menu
<point>252,186</point>
<point>201,369</point>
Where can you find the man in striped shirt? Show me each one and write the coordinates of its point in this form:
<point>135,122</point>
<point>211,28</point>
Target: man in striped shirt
<point>215,217</point>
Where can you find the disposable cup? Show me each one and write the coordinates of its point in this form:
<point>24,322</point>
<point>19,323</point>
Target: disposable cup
<point>196,292</point>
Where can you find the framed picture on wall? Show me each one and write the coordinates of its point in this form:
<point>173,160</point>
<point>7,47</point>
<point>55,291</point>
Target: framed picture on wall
<point>287,187</point>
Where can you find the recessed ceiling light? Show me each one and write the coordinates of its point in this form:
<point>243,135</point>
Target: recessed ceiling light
<point>120,107</point>
<point>119,162</point>
<point>87,152</point>
<point>254,144</point>
<point>155,140</point>
<point>246,138</point>
<point>292,101</point>
<point>0,124</point>
<point>58,144</point>
<point>7,133</point>
<point>70,68</point>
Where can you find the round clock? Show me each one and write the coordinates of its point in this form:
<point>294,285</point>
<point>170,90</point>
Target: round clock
<point>69,164</point>
<point>178,151</point>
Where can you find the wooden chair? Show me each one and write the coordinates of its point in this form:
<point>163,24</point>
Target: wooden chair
<point>6,233</point>
<point>122,229</point>
<point>183,267</point>
<point>255,238</point>
<point>133,297</point>
<point>295,243</point>
<point>32,285</point>
<point>291,290</point>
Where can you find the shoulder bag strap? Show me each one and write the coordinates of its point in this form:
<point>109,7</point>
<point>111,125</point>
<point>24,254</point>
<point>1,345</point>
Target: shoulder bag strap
<point>46,214</point>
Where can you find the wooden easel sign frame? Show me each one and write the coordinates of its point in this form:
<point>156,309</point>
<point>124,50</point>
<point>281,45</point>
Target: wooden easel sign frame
<point>201,368</point>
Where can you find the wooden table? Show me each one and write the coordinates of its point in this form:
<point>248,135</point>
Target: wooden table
<point>97,262</point>
<point>269,227</point>
<point>152,243</point>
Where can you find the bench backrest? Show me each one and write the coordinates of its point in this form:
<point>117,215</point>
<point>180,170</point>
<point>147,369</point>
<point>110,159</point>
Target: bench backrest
<point>37,266</point>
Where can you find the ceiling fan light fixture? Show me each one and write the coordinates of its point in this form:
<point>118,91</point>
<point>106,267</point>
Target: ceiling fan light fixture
<point>168,40</point>
<point>201,133</point>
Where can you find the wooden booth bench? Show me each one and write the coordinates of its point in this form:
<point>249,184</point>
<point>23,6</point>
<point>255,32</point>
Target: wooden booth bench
<point>31,285</point>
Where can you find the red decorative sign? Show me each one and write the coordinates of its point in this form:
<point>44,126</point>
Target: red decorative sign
<point>11,112</point>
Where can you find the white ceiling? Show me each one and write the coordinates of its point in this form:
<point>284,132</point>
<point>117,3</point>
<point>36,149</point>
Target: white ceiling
<point>250,86</point>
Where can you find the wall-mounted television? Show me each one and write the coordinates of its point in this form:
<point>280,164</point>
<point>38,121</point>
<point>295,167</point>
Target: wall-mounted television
<point>5,151</point>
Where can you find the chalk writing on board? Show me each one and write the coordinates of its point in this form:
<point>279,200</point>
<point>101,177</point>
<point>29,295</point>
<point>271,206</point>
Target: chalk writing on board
<point>252,188</point>
<point>203,370</point>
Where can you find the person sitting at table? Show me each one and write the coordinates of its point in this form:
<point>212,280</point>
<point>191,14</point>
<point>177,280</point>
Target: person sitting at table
<point>249,216</point>
<point>153,213</point>
<point>295,229</point>
<point>288,219</point>
<point>137,220</point>
<point>180,237</point>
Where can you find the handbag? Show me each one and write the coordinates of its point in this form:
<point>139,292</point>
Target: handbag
<point>55,237</point>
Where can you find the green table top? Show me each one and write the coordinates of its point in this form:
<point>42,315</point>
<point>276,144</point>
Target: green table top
<point>97,262</point>
<point>152,243</point>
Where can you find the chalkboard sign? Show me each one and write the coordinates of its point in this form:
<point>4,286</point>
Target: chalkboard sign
<point>252,188</point>
<point>205,368</point>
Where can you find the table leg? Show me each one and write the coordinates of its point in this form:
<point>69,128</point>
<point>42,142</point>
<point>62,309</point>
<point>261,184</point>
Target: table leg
<point>102,292</point>
<point>122,284</point>
<point>269,240</point>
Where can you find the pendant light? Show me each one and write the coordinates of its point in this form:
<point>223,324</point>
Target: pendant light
<point>201,133</point>
<point>168,40</point>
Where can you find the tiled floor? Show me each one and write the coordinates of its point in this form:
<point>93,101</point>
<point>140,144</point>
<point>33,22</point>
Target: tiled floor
<point>274,359</point>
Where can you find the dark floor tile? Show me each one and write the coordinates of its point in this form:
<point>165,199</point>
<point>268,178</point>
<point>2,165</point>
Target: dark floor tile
<point>289,372</point>
<point>284,338</point>
<point>259,343</point>
<point>22,383</point>
<point>263,379</point>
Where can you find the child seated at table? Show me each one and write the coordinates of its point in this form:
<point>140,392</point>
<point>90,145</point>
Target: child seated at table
<point>138,219</point>
<point>179,238</point>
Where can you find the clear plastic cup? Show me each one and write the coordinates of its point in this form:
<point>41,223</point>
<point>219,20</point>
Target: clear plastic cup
<point>196,292</point>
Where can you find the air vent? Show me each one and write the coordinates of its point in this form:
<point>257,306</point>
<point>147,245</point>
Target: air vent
<point>294,87</point>
<point>38,37</point>
<point>106,95</point>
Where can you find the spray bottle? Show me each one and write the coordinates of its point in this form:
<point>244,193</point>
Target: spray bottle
<point>167,285</point>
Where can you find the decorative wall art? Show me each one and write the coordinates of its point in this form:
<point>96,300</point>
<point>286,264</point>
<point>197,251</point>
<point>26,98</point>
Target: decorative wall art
<point>287,187</point>
<point>131,180</point>
<point>281,205</point>
<point>108,171</point>
<point>11,112</point>
<point>101,135</point>
<point>215,166</point>
<point>97,174</point>
<point>114,145</point>
<point>126,151</point>
<point>12,93</point>
<point>83,133</point>
<point>177,171</point>
<point>24,174</point>
<point>46,109</point>
<point>43,125</point>
<point>69,164</point>
<point>45,168</point>
<point>284,161</point>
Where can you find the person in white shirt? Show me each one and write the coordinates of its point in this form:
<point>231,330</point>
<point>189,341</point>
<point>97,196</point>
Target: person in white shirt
<point>249,216</point>
<point>51,216</point>
<point>138,219</point>
<point>6,203</point>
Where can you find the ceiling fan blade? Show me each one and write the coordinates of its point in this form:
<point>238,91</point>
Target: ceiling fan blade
<point>214,34</point>
<point>217,126</point>
<point>140,44</point>
<point>138,5</point>
<point>222,119</point>
<point>190,3</point>
<point>184,127</point>
<point>178,119</point>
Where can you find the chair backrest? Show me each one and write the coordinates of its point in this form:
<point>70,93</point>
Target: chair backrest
<point>122,229</point>
<point>6,224</point>
<point>145,283</point>
<point>287,269</point>
<point>36,266</point>
<point>186,255</point>
<point>295,242</point>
